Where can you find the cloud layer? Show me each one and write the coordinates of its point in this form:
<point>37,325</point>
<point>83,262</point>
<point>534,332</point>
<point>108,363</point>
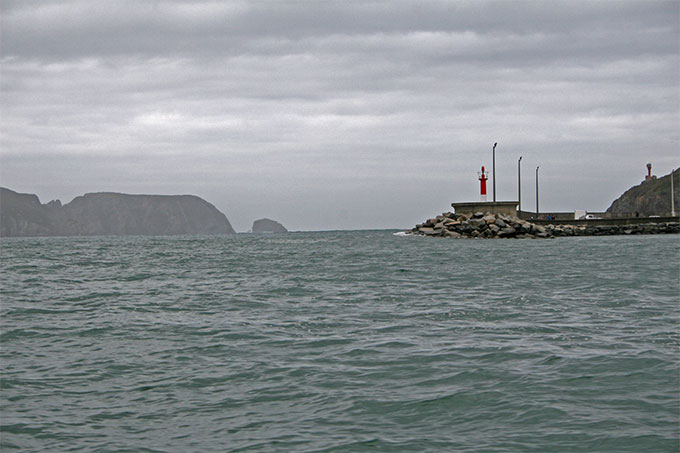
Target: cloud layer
<point>338,115</point>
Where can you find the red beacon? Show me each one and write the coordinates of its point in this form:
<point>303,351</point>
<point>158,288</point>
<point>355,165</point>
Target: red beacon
<point>483,177</point>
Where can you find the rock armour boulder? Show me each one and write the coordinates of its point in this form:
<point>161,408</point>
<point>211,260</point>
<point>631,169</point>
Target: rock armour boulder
<point>480,224</point>
<point>499,226</point>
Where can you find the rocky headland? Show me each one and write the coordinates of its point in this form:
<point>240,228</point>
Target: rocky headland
<point>108,213</point>
<point>268,226</point>
<point>650,197</point>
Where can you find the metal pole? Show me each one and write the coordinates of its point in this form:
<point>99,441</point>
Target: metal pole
<point>519,183</point>
<point>536,191</point>
<point>494,172</point>
<point>672,195</point>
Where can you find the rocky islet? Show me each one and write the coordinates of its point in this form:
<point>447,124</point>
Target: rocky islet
<point>268,226</point>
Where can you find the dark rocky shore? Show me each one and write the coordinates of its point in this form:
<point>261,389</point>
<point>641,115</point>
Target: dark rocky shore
<point>499,226</point>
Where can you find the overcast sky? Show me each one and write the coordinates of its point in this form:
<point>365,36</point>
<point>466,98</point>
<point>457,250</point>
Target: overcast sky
<point>338,115</point>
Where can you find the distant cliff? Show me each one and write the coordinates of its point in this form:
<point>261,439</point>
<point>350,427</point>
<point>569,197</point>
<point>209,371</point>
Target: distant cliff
<point>651,197</point>
<point>108,213</point>
<point>22,214</point>
<point>268,226</point>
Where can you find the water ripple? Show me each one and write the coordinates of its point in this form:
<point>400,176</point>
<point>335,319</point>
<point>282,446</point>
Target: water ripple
<point>343,341</point>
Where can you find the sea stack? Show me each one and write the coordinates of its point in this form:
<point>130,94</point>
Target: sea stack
<point>268,226</point>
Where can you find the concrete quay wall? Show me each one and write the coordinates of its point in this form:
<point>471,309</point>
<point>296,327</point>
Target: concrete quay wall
<point>610,222</point>
<point>609,229</point>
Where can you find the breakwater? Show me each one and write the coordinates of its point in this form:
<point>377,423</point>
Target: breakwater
<point>500,226</point>
<point>480,224</point>
<point>612,229</point>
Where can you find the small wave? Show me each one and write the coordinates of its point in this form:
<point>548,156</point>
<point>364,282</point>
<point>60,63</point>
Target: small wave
<point>340,341</point>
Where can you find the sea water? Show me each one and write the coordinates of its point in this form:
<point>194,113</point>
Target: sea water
<point>340,341</point>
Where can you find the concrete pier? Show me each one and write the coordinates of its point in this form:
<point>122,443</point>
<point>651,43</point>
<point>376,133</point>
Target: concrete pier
<point>492,207</point>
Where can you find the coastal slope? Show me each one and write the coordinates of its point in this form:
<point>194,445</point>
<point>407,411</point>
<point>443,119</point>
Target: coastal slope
<point>108,213</point>
<point>651,197</point>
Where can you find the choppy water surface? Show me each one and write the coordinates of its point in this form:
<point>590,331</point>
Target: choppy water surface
<point>347,341</point>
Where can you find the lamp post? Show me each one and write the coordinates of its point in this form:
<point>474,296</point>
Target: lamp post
<point>672,195</point>
<point>537,192</point>
<point>494,172</point>
<point>519,183</point>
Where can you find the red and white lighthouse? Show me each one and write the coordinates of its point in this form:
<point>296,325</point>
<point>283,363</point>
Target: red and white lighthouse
<point>483,177</point>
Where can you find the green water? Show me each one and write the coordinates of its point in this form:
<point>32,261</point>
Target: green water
<point>340,341</point>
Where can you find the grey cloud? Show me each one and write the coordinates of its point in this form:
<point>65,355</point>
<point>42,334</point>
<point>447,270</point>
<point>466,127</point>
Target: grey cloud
<point>493,29</point>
